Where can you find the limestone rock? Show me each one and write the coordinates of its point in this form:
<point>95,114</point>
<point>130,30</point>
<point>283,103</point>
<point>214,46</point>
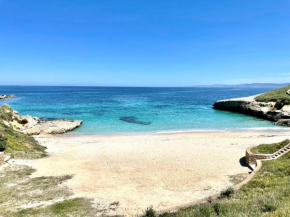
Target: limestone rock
<point>249,106</point>
<point>286,108</point>
<point>58,126</point>
<point>23,122</point>
<point>35,126</point>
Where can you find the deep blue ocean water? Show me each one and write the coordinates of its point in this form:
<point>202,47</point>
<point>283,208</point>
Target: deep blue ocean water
<point>153,109</point>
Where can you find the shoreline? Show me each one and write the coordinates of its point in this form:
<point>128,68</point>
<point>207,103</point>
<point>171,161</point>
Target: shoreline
<point>163,170</point>
<point>185,131</point>
<point>192,131</point>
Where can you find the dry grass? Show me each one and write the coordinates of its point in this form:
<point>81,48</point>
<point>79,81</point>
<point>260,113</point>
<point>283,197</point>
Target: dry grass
<point>40,196</point>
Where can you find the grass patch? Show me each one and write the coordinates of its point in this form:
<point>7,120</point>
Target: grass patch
<point>18,144</point>
<point>269,148</point>
<point>46,194</point>
<point>277,95</point>
<point>267,194</point>
<point>70,207</point>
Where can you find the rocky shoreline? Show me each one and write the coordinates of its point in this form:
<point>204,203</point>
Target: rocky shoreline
<point>36,126</point>
<point>2,97</point>
<point>272,111</point>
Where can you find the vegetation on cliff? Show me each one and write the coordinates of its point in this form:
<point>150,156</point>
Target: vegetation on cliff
<point>276,95</point>
<point>19,145</point>
<point>267,194</point>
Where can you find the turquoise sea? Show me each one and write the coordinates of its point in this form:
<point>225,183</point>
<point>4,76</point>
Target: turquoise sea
<point>118,110</point>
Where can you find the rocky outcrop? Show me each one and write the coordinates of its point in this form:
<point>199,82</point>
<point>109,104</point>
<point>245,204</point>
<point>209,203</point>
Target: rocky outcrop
<point>283,122</point>
<point>248,105</point>
<point>6,97</point>
<point>58,126</point>
<point>36,126</point>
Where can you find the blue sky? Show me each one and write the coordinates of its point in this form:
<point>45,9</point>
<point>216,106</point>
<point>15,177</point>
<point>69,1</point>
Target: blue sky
<point>144,43</point>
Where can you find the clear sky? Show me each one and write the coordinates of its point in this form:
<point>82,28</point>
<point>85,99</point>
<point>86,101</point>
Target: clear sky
<point>144,42</point>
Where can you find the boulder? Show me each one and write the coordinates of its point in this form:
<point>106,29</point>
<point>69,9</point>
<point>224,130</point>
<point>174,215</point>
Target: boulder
<point>283,122</point>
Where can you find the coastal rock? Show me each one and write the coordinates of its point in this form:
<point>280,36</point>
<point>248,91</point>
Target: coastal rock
<point>7,96</point>
<point>23,122</point>
<point>36,126</point>
<point>286,108</point>
<point>58,126</point>
<point>283,122</point>
<point>249,106</point>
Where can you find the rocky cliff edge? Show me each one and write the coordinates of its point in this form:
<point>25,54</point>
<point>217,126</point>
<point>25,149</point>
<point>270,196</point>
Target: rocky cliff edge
<point>248,105</point>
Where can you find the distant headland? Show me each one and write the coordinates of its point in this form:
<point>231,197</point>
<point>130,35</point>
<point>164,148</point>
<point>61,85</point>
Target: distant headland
<point>251,85</point>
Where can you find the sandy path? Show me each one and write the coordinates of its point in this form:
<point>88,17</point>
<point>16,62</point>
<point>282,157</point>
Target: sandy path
<point>143,170</point>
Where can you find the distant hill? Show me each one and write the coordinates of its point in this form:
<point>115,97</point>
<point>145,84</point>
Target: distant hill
<point>253,85</point>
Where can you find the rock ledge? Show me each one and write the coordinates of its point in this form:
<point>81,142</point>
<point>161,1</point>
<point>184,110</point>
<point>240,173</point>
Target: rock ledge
<point>265,110</point>
<point>36,126</point>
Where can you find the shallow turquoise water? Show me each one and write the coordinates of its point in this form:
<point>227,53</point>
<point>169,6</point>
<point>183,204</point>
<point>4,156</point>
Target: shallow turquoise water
<point>166,109</point>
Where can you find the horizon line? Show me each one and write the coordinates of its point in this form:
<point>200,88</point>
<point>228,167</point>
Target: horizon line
<point>201,85</point>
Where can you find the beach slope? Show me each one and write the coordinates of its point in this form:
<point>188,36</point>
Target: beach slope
<point>126,174</point>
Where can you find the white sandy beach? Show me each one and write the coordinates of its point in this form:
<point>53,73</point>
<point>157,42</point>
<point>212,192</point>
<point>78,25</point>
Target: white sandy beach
<point>164,171</point>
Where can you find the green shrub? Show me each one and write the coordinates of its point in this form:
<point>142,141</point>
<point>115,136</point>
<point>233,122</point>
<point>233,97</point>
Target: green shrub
<point>150,212</point>
<point>227,193</point>
<point>2,143</point>
<point>219,209</point>
<point>268,208</point>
